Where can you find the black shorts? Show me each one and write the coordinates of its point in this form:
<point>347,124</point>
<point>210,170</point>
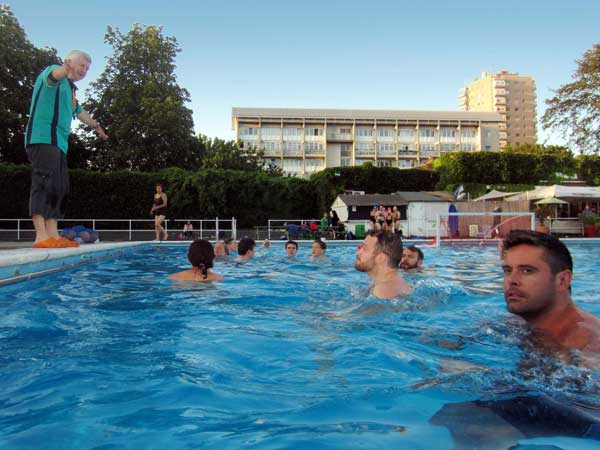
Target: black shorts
<point>49,181</point>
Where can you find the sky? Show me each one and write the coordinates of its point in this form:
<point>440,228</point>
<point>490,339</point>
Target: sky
<point>332,54</point>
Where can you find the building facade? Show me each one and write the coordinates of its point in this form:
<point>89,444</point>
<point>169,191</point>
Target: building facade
<point>304,141</point>
<point>511,95</point>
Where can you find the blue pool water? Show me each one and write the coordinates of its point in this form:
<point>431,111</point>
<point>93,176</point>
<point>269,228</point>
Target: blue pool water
<point>281,354</point>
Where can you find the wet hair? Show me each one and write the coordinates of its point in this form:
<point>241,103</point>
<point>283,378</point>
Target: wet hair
<point>390,244</point>
<point>556,253</point>
<point>322,244</point>
<point>201,256</point>
<point>415,249</point>
<point>246,244</point>
<point>161,186</point>
<point>75,54</point>
<point>294,243</point>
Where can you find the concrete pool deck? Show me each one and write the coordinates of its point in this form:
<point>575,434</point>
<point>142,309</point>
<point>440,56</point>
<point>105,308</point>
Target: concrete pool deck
<point>20,262</point>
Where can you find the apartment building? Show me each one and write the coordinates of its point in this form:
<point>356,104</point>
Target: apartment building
<point>511,95</point>
<point>304,141</point>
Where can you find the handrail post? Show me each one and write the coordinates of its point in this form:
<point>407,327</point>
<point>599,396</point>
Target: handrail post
<point>217,229</point>
<point>130,229</point>
<point>201,228</point>
<point>18,229</point>
<point>234,225</point>
<point>269,229</point>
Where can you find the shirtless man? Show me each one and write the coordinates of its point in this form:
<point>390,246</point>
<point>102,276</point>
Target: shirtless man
<point>538,270</point>
<point>412,258</point>
<point>379,256</point>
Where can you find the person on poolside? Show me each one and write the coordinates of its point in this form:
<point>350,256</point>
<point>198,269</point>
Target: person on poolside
<point>379,256</point>
<point>246,249</point>
<point>53,106</point>
<point>266,243</point>
<point>201,256</point>
<point>318,248</point>
<point>291,248</point>
<point>230,246</point>
<point>538,270</point>
<point>80,233</point>
<point>159,211</point>
<point>412,258</point>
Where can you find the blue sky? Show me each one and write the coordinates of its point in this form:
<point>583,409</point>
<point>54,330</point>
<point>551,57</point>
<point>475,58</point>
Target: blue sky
<point>332,54</point>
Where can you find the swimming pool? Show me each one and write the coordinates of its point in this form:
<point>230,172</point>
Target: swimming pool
<point>281,354</point>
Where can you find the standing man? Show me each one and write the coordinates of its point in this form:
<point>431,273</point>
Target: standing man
<point>53,106</point>
<point>538,270</point>
<point>379,256</point>
<point>412,258</point>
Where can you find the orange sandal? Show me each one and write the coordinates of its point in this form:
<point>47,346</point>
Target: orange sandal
<point>64,242</point>
<point>48,243</point>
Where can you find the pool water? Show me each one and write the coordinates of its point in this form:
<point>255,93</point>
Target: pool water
<point>283,353</point>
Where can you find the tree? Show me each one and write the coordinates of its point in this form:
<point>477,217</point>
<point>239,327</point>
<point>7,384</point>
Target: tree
<point>575,109</point>
<point>20,64</point>
<point>142,108</point>
<point>220,154</point>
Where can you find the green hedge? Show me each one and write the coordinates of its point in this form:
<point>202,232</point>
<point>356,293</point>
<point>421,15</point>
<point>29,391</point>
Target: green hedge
<point>501,167</point>
<point>250,197</point>
<point>373,180</point>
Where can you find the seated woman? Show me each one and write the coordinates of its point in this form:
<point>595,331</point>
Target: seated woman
<point>201,256</point>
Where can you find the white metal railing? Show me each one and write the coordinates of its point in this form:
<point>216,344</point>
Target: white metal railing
<point>202,227</point>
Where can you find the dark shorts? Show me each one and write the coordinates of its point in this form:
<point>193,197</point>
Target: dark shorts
<point>49,181</point>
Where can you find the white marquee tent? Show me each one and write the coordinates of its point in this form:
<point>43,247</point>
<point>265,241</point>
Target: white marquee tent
<point>571,193</point>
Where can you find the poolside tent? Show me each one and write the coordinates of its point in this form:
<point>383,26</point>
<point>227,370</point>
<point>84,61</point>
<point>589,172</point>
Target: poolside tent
<point>494,195</point>
<point>568,193</point>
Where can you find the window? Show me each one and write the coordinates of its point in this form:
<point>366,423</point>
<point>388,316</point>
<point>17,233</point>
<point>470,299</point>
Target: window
<point>312,131</point>
<point>407,147</point>
<point>387,148</point>
<point>447,147</point>
<point>427,147</point>
<point>292,131</point>
<point>345,130</point>
<point>270,132</point>
<point>406,134</point>
<point>385,132</point>
<point>467,147</point>
<point>313,147</point>
<point>448,132</point>
<point>427,133</point>
<point>249,131</point>
<point>364,131</point>
<point>468,133</point>
<point>346,150</point>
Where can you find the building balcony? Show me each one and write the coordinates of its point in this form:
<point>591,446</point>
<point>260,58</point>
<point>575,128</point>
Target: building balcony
<point>427,153</point>
<point>501,92</point>
<point>408,154</point>
<point>386,153</point>
<point>293,153</point>
<point>500,109</point>
<point>502,126</point>
<point>499,83</point>
<point>337,137</point>
<point>364,153</point>
<point>314,139</point>
<point>314,152</point>
<point>500,101</point>
<point>272,153</point>
<point>502,135</point>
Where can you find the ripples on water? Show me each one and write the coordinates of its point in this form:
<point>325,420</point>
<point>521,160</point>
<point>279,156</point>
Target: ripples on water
<point>281,354</point>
